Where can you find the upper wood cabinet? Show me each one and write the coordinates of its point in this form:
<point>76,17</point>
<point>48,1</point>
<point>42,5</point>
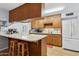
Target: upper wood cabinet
<point>37,24</point>
<point>57,21</point>
<point>53,21</point>
<point>25,11</point>
<point>40,24</point>
<point>35,10</point>
<point>34,24</point>
<point>19,13</point>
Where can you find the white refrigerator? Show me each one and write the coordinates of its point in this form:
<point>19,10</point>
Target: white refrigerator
<point>70,33</point>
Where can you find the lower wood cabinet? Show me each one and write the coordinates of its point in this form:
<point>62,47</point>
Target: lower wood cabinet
<point>38,48</point>
<point>18,48</point>
<point>25,48</point>
<point>35,48</point>
<point>57,40</point>
<point>50,39</point>
<point>54,40</point>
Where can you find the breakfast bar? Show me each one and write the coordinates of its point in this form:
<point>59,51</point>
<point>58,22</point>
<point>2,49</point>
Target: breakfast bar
<point>26,45</point>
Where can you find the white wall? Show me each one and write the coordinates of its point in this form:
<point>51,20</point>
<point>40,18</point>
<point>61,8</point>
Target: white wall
<point>69,7</point>
<point>4,15</point>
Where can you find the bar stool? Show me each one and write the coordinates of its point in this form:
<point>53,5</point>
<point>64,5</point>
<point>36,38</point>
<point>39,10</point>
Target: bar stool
<point>23,49</point>
<point>13,48</point>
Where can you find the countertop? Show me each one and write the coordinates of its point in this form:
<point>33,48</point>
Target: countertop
<point>29,37</point>
<point>45,33</point>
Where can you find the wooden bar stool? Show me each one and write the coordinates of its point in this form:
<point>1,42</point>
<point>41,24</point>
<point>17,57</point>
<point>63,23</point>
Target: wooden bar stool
<point>23,49</point>
<point>13,48</point>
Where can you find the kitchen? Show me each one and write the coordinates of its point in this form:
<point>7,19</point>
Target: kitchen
<point>32,29</point>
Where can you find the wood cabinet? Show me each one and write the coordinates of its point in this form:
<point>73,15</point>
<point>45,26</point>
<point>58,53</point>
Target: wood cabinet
<point>19,13</point>
<point>24,48</point>
<point>37,24</point>
<point>40,24</point>
<point>38,48</point>
<point>57,21</point>
<point>57,40</point>
<point>50,39</point>
<point>53,21</point>
<point>18,47</point>
<point>35,48</point>
<point>35,10</point>
<point>25,11</point>
<point>34,24</point>
<point>54,40</point>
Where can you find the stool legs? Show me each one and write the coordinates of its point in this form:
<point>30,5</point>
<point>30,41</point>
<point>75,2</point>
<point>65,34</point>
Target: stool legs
<point>18,48</point>
<point>11,50</point>
<point>22,50</point>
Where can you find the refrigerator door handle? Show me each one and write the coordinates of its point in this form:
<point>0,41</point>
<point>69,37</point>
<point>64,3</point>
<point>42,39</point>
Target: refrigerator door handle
<point>73,28</point>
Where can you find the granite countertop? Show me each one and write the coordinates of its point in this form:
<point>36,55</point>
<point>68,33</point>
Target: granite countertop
<point>45,33</point>
<point>29,37</point>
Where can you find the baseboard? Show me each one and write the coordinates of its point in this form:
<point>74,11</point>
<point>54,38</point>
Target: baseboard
<point>3,48</point>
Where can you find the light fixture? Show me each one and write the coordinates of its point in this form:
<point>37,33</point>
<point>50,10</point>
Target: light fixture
<point>54,9</point>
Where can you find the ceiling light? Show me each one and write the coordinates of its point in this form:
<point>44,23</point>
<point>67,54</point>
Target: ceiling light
<point>54,10</point>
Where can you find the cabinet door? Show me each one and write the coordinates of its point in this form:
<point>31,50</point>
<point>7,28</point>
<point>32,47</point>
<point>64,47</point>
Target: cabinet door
<point>35,48</point>
<point>54,20</point>
<point>57,21</point>
<point>34,24</point>
<point>12,15</point>
<point>57,40</point>
<point>26,11</point>
<point>75,28</point>
<point>50,39</point>
<point>48,19</point>
<point>19,13</point>
<point>40,24</point>
<point>35,10</point>
<point>37,24</point>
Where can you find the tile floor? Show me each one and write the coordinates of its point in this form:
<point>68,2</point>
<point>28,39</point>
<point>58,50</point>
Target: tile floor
<point>51,51</point>
<point>58,51</point>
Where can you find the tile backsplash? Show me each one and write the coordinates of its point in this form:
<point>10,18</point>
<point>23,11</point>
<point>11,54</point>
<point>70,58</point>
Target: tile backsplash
<point>48,31</point>
<point>22,28</point>
<point>52,30</point>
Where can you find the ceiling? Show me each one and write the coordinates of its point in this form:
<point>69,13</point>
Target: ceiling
<point>52,5</point>
<point>68,7</point>
<point>9,6</point>
<point>72,6</point>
